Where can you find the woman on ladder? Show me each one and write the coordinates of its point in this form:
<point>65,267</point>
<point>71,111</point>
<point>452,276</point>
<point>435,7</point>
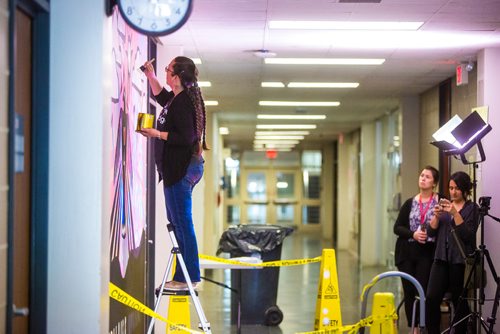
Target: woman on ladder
<point>179,143</point>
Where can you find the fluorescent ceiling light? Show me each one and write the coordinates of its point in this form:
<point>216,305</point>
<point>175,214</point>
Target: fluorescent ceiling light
<point>346,25</point>
<point>286,126</point>
<point>265,116</point>
<point>273,145</point>
<point>283,133</point>
<point>196,60</point>
<point>280,142</point>
<point>276,149</point>
<point>323,84</point>
<point>223,130</point>
<point>299,103</point>
<point>211,103</point>
<point>279,137</point>
<point>325,61</point>
<point>273,84</point>
<point>204,84</point>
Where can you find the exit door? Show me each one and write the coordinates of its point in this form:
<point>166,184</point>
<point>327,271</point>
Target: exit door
<point>271,196</point>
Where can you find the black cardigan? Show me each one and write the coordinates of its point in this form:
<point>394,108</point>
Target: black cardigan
<point>446,247</point>
<point>174,155</point>
<point>404,248</point>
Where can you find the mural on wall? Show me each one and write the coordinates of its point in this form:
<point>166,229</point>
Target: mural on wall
<point>129,175</point>
<point>130,150</point>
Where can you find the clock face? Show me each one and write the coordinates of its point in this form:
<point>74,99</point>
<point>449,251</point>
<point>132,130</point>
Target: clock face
<point>155,17</point>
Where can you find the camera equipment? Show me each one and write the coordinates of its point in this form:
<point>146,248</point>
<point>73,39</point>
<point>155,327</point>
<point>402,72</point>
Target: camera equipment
<point>456,137</point>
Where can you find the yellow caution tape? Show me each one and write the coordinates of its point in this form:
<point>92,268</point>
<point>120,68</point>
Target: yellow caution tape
<point>121,296</point>
<point>369,285</point>
<point>352,329</point>
<point>281,263</point>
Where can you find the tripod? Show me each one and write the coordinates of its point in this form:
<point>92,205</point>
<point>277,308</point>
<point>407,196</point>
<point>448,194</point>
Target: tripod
<point>204,324</point>
<point>479,255</point>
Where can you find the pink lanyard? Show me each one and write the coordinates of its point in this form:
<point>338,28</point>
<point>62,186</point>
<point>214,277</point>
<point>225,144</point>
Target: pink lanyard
<point>423,211</point>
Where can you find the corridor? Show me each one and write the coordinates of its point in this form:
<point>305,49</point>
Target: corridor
<point>297,290</point>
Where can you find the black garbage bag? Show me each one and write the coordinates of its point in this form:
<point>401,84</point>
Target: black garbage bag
<point>242,240</point>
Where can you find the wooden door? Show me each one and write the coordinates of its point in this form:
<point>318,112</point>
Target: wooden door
<point>22,173</point>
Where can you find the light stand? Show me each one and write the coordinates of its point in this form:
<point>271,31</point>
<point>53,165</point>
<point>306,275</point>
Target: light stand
<point>456,137</point>
<point>479,255</point>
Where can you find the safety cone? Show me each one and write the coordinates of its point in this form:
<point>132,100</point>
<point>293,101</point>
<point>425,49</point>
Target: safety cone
<point>328,303</point>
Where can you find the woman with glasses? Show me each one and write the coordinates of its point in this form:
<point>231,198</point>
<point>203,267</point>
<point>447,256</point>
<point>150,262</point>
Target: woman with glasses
<point>179,144</point>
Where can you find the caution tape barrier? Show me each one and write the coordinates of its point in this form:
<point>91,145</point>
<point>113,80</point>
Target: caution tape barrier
<point>281,263</point>
<point>352,329</point>
<point>121,296</point>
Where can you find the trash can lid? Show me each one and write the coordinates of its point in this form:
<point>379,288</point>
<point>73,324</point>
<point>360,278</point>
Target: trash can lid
<point>252,238</point>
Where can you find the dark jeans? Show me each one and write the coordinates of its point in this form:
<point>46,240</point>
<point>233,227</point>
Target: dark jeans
<point>420,268</point>
<point>445,277</point>
<point>178,199</point>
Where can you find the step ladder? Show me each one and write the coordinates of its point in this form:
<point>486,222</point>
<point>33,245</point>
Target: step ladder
<point>204,324</point>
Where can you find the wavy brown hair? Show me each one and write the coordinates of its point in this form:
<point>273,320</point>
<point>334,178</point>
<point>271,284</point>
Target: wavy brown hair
<point>186,70</point>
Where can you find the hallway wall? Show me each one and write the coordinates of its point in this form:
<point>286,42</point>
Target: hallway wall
<point>78,252</point>
<point>4,149</point>
<point>488,79</point>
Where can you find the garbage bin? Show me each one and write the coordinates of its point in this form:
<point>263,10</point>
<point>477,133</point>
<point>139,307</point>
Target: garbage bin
<point>258,288</point>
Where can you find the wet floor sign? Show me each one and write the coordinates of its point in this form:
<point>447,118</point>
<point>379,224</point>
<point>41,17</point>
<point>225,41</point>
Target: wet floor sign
<point>382,311</point>
<point>178,313</point>
<point>328,302</point>
<point>178,310</point>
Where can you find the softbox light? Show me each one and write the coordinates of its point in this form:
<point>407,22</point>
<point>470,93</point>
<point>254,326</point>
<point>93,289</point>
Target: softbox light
<point>456,137</point>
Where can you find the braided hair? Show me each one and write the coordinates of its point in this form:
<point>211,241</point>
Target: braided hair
<point>186,70</point>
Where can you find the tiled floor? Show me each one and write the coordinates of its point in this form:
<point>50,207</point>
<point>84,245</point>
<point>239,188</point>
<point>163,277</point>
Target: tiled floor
<point>297,290</point>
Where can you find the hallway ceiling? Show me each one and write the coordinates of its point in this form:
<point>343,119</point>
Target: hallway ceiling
<point>226,33</point>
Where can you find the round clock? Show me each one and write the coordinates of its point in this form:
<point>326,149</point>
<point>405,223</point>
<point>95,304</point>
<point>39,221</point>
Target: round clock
<point>155,17</point>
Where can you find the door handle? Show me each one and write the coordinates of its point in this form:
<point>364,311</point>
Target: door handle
<point>20,311</point>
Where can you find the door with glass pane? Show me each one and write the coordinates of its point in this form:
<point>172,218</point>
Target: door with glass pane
<point>271,196</point>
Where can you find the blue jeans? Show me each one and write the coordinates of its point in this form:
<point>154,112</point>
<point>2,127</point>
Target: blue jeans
<point>178,199</point>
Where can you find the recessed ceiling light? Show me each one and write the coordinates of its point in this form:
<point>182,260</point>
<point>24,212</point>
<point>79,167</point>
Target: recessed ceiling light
<point>211,103</point>
<point>223,130</point>
<point>325,61</point>
<point>323,84</point>
<point>266,116</point>
<point>346,25</point>
<point>287,126</point>
<point>272,84</point>
<point>300,103</point>
<point>204,84</point>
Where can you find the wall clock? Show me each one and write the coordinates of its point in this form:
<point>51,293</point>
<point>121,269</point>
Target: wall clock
<point>154,17</point>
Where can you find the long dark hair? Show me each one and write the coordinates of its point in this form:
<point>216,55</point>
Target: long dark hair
<point>186,70</point>
<point>463,183</point>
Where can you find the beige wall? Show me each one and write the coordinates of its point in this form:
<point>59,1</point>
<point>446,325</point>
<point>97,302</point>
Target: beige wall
<point>4,131</point>
<point>429,123</point>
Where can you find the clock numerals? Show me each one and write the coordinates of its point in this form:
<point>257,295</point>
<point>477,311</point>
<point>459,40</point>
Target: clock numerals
<point>153,17</point>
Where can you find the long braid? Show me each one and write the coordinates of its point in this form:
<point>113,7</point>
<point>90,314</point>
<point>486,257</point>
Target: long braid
<point>187,71</point>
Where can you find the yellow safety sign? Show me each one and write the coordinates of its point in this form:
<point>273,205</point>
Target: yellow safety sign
<point>353,329</point>
<point>121,296</point>
<point>178,310</point>
<point>383,305</point>
<point>328,302</point>
<point>281,263</point>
